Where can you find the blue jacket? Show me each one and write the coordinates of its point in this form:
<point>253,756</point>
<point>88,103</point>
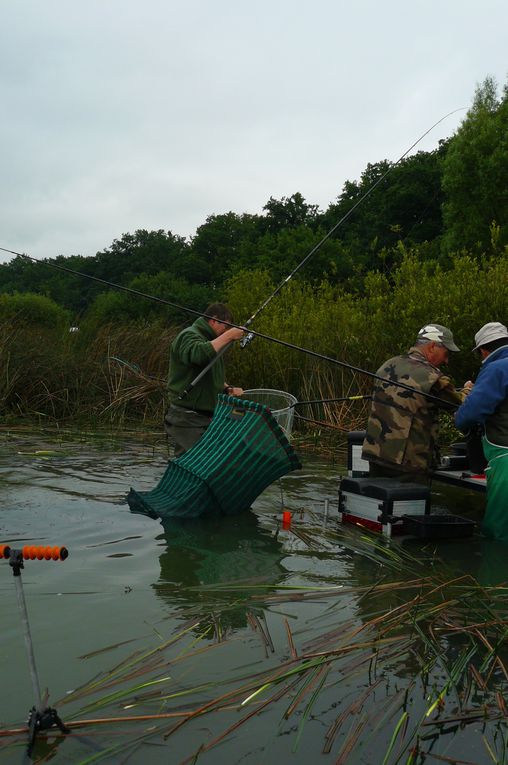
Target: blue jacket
<point>488,401</point>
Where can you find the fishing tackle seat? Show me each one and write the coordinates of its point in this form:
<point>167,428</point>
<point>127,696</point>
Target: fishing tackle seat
<point>242,451</point>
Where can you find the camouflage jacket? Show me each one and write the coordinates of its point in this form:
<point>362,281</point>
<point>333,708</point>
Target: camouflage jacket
<point>402,426</point>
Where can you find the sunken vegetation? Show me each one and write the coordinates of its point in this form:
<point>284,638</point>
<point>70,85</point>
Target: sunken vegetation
<point>430,243</point>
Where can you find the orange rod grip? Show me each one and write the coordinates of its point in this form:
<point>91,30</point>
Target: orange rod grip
<point>47,552</point>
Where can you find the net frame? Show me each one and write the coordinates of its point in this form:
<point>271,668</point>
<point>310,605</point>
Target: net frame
<point>280,403</point>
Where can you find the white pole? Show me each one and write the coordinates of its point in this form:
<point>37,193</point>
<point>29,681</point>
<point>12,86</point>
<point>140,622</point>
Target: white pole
<point>28,642</point>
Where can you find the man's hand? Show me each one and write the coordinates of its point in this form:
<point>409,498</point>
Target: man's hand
<point>226,337</point>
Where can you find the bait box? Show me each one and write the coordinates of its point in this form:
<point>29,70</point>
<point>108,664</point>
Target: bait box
<point>380,504</point>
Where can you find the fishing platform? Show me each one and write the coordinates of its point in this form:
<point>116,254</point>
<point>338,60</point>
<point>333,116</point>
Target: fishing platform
<point>394,507</point>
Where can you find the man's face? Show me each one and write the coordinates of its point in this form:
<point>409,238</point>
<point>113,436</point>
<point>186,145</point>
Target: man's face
<point>440,355</point>
<point>218,326</point>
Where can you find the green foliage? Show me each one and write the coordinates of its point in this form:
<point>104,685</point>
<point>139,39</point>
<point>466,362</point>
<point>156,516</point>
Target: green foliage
<point>430,243</point>
<point>365,330</point>
<point>119,307</point>
<point>406,206</point>
<point>289,212</point>
<point>32,310</point>
<point>475,175</point>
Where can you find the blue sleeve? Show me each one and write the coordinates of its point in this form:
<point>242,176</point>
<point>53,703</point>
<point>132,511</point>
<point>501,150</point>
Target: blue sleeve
<point>489,391</point>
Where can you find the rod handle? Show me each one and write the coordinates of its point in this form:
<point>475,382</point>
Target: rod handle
<point>39,552</point>
<point>44,552</point>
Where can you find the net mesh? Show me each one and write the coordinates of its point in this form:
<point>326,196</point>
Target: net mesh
<point>241,453</point>
<point>280,404</point>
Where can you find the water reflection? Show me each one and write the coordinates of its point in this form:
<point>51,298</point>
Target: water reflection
<point>211,551</point>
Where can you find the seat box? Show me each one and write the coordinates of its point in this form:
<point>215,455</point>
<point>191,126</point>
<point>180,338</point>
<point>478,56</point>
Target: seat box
<point>356,466</point>
<point>377,502</point>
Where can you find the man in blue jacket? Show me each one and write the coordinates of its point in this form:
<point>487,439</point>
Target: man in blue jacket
<point>487,404</point>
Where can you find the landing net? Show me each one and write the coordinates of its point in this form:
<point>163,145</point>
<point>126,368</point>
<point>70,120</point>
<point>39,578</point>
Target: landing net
<point>241,453</point>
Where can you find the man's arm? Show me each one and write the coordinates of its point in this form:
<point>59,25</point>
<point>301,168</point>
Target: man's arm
<point>445,389</point>
<point>489,391</point>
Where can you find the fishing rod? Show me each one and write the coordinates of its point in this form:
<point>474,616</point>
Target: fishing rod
<point>262,335</point>
<point>344,218</point>
<point>250,335</point>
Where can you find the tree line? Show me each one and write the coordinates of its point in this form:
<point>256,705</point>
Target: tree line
<point>429,244</point>
<point>437,203</point>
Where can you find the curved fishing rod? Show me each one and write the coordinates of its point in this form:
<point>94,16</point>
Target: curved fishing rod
<point>284,343</point>
<point>250,335</point>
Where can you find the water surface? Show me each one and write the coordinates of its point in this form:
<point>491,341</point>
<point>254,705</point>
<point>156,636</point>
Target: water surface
<point>130,585</point>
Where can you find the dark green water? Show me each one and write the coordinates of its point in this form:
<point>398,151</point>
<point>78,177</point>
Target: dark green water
<point>129,580</point>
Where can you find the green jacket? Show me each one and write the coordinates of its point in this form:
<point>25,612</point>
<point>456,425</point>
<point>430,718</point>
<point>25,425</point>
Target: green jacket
<point>402,427</point>
<point>190,352</point>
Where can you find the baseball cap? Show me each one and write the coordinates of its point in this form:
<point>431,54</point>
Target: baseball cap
<point>494,330</point>
<point>438,334</point>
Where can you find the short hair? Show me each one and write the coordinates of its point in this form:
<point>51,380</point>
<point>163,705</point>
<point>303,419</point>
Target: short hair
<point>218,311</point>
<point>424,341</point>
<point>494,344</point>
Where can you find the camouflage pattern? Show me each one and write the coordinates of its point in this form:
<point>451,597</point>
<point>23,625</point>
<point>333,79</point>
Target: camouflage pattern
<point>402,426</point>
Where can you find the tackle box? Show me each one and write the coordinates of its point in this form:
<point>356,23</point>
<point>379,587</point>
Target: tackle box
<point>380,503</point>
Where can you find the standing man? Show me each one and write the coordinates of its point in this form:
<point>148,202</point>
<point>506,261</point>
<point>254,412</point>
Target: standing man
<point>487,404</point>
<point>403,426</point>
<point>188,417</point>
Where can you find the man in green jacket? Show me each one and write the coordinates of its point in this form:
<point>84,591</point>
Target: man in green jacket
<point>192,350</point>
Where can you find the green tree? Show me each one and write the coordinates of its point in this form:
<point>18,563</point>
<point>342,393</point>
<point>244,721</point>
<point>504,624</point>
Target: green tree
<point>405,206</point>
<point>475,175</point>
<point>144,252</point>
<point>119,307</point>
<point>28,310</point>
<point>289,212</point>
<point>225,243</point>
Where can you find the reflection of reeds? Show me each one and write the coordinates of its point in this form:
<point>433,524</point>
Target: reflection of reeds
<point>440,639</point>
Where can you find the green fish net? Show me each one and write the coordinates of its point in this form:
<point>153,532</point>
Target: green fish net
<point>241,453</point>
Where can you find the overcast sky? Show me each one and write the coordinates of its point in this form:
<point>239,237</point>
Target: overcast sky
<point>127,114</point>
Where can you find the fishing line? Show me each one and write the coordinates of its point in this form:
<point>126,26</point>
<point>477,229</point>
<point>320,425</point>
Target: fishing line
<point>344,218</point>
<point>250,335</point>
<point>283,343</point>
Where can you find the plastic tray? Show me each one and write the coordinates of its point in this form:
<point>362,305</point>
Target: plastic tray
<point>438,526</point>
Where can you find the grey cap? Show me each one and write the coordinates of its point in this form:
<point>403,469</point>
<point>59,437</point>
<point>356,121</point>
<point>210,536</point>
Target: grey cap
<point>494,330</point>
<point>438,334</point>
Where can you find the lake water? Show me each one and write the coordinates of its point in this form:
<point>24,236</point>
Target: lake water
<point>203,607</point>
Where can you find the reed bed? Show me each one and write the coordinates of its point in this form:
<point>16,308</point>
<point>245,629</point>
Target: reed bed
<point>409,667</point>
<point>115,376</point>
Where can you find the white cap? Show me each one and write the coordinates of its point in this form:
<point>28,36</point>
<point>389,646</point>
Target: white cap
<point>494,330</point>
